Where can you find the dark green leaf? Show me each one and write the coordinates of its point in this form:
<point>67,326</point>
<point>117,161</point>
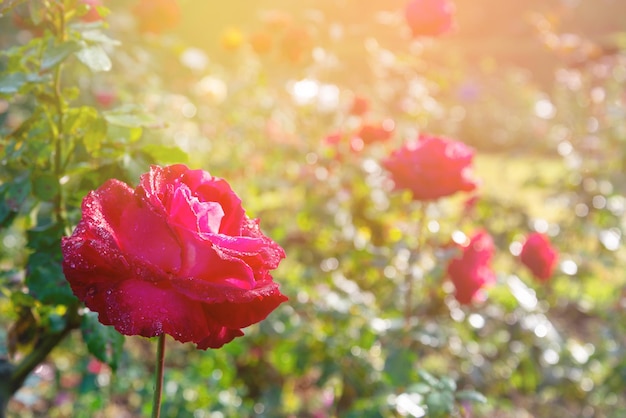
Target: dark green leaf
<point>399,366</point>
<point>46,282</point>
<point>471,395</point>
<point>45,187</point>
<point>104,342</point>
<point>16,193</point>
<point>56,54</point>
<point>45,238</point>
<point>95,58</point>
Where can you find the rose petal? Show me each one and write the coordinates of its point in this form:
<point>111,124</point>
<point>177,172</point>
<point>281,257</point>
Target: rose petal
<point>190,213</point>
<point>112,214</point>
<point>230,306</point>
<point>160,183</point>
<point>136,307</point>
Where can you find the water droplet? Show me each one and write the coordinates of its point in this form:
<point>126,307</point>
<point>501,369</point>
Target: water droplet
<point>138,271</point>
<point>109,292</point>
<point>91,291</point>
<point>73,265</point>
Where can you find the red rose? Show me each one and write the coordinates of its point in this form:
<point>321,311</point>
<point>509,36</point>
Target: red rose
<point>156,16</point>
<point>472,271</point>
<point>105,98</point>
<point>92,14</point>
<point>429,17</point>
<point>432,167</point>
<point>360,106</point>
<point>177,255</point>
<point>376,132</point>
<point>539,256</point>
<point>334,138</point>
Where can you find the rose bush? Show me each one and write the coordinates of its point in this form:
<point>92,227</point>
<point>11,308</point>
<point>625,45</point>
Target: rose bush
<point>177,255</point>
<point>432,167</point>
<point>539,256</point>
<point>429,17</point>
<point>472,270</point>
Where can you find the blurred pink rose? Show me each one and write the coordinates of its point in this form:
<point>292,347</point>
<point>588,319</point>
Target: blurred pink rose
<point>92,15</point>
<point>539,256</point>
<point>429,17</point>
<point>360,106</point>
<point>105,98</point>
<point>376,132</point>
<point>472,271</point>
<point>432,167</point>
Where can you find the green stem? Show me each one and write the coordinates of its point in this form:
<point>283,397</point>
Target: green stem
<point>58,141</point>
<point>409,279</point>
<point>158,387</point>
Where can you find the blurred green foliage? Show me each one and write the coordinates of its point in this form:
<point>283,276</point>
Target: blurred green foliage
<point>551,157</point>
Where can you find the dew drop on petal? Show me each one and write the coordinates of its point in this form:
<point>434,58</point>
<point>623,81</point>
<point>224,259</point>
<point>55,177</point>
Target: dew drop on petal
<point>91,291</point>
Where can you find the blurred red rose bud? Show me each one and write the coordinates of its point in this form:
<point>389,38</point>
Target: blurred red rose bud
<point>472,271</point>
<point>539,256</point>
<point>429,17</point>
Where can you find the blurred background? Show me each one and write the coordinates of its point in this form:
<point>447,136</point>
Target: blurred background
<point>262,94</point>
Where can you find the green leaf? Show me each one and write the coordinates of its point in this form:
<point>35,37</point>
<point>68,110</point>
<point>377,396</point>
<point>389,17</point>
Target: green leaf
<point>79,119</point>
<point>428,378</point>
<point>37,12</point>
<point>45,238</point>
<point>45,280</point>
<point>103,342</point>
<point>56,54</point>
<point>471,395</point>
<point>399,366</point>
<point>95,58</point>
<point>10,83</point>
<point>165,154</point>
<point>130,116</point>
<point>45,186</point>
<point>98,36</point>
<point>447,383</point>
<point>439,403</point>
<point>421,388</point>
<point>95,135</point>
<point>16,193</point>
